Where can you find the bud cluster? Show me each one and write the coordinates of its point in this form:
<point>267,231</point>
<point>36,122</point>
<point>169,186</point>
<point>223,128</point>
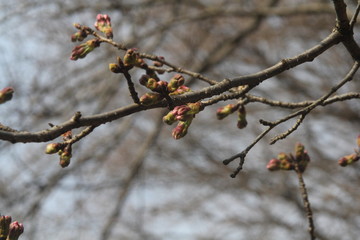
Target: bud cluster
<point>184,114</point>
<point>103,24</point>
<point>287,161</point>
<point>160,89</point>
<point>63,149</point>
<point>10,230</point>
<point>6,94</point>
<point>351,158</point>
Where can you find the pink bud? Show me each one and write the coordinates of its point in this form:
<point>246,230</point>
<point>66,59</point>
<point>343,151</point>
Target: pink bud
<point>6,94</point>
<point>16,229</point>
<point>103,24</point>
<point>273,164</point>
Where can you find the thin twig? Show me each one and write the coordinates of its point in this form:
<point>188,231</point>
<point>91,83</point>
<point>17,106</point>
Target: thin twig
<point>354,17</point>
<point>243,154</point>
<point>303,112</point>
<point>307,206</point>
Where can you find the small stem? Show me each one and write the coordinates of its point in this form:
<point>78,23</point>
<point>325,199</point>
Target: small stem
<point>307,206</point>
<point>131,86</point>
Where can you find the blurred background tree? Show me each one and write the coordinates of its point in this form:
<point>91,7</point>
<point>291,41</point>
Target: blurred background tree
<point>129,179</point>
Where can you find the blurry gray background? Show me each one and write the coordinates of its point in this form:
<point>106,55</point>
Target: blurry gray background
<point>129,179</point>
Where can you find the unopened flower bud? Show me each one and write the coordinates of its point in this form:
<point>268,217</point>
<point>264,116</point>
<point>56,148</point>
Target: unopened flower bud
<point>83,49</point>
<point>181,129</point>
<point>115,68</point>
<point>225,111</point>
<point>175,82</point>
<point>130,57</point>
<point>65,158</point>
<point>285,162</point>
<point>6,94</point>
<point>181,90</point>
<point>150,98</point>
<point>358,141</point>
<point>16,229</point>
<point>77,25</point>
<point>152,84</point>
<point>4,226</point>
<point>299,151</point>
<point>79,36</point>
<point>273,164</point>
<point>242,122</point>
<point>103,24</point>
<point>169,118</point>
<point>53,148</point>
<point>348,159</point>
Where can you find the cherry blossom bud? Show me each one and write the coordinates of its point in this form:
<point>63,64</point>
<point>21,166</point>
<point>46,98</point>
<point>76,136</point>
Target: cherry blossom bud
<point>6,94</point>
<point>181,129</point>
<point>273,164</point>
<point>79,36</point>
<point>130,57</point>
<point>175,82</point>
<point>152,84</point>
<point>103,24</point>
<point>115,68</point>
<point>181,90</point>
<point>169,118</point>
<point>299,151</point>
<point>83,49</point>
<point>241,117</point>
<point>225,111</point>
<point>65,158</point>
<point>53,148</point>
<point>348,159</point>
<point>150,98</point>
<point>16,229</point>
<point>4,226</point>
<point>285,162</point>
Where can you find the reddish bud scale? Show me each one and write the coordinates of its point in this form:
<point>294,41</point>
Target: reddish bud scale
<point>273,165</point>
<point>358,141</point>
<point>6,94</point>
<point>16,229</point>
